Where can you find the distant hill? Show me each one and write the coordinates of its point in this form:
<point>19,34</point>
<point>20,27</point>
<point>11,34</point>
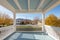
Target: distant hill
<point>20,21</point>
<point>23,21</point>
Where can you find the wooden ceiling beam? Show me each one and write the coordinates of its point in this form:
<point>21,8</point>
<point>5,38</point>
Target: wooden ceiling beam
<point>53,6</point>
<point>18,5</point>
<point>28,5</point>
<point>7,5</point>
<point>42,1</point>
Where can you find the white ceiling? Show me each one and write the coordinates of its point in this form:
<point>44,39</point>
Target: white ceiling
<point>29,5</point>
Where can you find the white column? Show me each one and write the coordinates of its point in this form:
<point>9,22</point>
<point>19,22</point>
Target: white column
<point>14,15</point>
<point>43,22</point>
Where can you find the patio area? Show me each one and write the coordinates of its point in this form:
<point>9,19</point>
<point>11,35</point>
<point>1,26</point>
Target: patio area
<point>29,6</point>
<point>29,36</point>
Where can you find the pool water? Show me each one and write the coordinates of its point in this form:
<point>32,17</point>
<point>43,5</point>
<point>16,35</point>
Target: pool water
<point>29,36</point>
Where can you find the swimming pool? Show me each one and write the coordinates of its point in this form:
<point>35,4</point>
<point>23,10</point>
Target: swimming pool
<point>29,36</point>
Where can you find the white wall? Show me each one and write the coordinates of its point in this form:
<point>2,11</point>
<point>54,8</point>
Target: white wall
<point>6,31</point>
<point>53,32</point>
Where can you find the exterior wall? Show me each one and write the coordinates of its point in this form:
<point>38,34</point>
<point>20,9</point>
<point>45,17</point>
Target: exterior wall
<point>6,31</point>
<point>39,24</point>
<point>53,32</point>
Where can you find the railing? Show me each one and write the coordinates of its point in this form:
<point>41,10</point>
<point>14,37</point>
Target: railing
<point>52,32</point>
<point>6,31</point>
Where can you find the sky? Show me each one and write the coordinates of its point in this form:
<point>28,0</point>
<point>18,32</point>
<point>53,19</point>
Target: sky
<point>5,10</point>
<point>55,11</point>
<point>31,16</point>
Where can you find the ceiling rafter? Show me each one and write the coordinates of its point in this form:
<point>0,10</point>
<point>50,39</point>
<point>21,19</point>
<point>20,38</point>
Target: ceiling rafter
<point>25,11</point>
<point>59,0</point>
<point>29,5</point>
<point>54,5</point>
<point>18,5</point>
<point>7,5</point>
<point>40,4</point>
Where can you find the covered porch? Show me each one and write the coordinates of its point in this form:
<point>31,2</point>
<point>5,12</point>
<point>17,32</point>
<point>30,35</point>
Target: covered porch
<point>27,6</point>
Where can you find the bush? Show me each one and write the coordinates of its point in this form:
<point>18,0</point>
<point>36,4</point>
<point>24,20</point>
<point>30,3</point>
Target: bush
<point>5,19</point>
<point>52,20</point>
<point>28,28</point>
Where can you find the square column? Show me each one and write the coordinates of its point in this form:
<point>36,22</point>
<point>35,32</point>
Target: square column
<point>43,22</point>
<point>14,24</point>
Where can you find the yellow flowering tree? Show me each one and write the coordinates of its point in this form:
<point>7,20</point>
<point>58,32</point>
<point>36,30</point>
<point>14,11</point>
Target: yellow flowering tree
<point>5,19</point>
<point>51,20</point>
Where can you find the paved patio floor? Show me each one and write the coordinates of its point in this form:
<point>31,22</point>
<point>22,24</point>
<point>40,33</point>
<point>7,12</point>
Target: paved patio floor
<point>29,36</point>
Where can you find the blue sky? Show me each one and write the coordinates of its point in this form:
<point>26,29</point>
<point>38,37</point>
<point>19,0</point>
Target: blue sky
<point>29,15</point>
<point>4,10</point>
<point>55,11</point>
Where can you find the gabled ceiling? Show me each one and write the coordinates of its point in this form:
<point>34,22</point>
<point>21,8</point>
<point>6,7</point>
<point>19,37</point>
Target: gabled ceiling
<point>29,5</point>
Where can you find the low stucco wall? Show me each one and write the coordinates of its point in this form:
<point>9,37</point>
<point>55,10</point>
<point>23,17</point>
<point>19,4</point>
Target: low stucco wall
<point>6,31</point>
<point>53,32</point>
